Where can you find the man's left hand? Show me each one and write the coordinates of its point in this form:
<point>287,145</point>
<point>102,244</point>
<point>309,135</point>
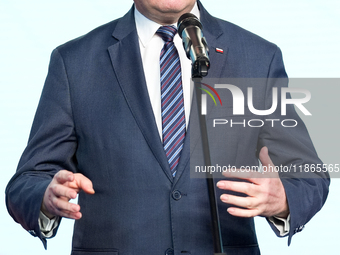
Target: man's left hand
<point>265,193</point>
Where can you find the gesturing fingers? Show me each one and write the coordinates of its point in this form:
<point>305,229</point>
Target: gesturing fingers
<point>265,194</point>
<point>63,208</point>
<point>65,186</point>
<point>84,183</point>
<point>64,176</point>
<point>244,212</point>
<point>63,204</point>
<point>60,190</point>
<point>56,202</point>
<point>250,203</point>
<point>241,187</point>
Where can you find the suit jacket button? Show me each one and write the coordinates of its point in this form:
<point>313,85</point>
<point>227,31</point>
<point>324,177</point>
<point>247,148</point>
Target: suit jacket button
<point>176,195</point>
<point>169,252</point>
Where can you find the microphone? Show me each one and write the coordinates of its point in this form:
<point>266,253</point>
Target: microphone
<point>190,30</point>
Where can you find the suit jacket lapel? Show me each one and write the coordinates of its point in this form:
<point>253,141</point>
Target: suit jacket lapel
<point>127,64</point>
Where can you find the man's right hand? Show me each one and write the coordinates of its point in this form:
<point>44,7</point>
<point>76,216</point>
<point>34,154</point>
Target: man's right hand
<point>64,186</point>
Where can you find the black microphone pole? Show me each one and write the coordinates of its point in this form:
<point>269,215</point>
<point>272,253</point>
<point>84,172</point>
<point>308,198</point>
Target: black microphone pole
<point>200,66</point>
<point>217,239</point>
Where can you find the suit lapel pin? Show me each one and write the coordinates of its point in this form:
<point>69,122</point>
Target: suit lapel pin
<point>218,50</point>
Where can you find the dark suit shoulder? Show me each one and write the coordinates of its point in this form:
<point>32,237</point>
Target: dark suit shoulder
<point>96,42</point>
<point>98,38</point>
<point>248,55</point>
<point>237,36</point>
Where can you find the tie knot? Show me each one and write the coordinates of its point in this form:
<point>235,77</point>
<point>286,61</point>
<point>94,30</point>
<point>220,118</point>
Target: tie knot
<point>167,33</point>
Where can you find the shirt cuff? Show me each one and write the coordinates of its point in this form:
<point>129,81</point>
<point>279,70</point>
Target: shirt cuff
<point>282,224</point>
<point>47,225</point>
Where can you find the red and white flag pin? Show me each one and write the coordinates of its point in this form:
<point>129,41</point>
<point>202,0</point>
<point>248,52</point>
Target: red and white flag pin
<point>218,50</point>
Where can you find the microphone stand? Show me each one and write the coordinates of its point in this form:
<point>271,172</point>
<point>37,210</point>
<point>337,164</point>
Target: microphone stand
<point>200,69</point>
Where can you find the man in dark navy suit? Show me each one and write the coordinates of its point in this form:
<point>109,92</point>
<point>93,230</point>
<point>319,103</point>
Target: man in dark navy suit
<point>98,132</point>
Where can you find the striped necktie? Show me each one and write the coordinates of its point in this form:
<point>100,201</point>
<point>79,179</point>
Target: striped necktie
<point>173,118</point>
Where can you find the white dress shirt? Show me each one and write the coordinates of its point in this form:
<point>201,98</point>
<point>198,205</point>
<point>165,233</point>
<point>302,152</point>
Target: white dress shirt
<point>150,45</point>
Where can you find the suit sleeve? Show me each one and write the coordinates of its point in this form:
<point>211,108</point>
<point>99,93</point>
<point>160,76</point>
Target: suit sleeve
<point>51,147</point>
<point>291,146</point>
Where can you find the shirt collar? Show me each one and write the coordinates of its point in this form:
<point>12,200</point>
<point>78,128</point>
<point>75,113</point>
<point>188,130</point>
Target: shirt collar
<point>147,28</point>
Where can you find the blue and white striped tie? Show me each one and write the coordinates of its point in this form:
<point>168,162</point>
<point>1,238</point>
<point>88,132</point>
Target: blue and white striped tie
<point>173,117</point>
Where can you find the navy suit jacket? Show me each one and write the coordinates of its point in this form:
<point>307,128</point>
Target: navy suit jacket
<point>95,118</point>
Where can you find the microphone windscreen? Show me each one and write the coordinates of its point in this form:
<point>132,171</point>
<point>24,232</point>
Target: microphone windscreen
<point>186,20</point>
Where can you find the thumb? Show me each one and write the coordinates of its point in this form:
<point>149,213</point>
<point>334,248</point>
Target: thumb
<point>264,157</point>
<point>84,183</point>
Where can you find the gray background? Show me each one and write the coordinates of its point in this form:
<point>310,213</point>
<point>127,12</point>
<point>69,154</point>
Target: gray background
<point>307,31</point>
